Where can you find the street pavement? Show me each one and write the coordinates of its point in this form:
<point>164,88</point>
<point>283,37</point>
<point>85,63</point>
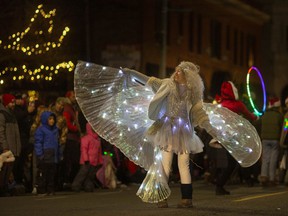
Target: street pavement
<point>243,200</point>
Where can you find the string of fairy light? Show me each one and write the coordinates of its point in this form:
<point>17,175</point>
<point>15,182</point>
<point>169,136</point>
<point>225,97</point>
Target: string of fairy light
<point>15,43</point>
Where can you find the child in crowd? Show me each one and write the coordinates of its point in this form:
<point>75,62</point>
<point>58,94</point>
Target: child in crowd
<point>90,160</point>
<point>106,175</point>
<point>47,151</point>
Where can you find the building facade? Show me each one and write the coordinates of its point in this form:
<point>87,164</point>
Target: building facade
<point>223,37</point>
<point>275,47</point>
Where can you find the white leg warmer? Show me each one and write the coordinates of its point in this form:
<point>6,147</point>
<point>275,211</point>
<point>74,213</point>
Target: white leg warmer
<point>184,170</point>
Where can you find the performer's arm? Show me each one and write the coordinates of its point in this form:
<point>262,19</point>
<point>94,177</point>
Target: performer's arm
<point>200,118</point>
<point>142,78</point>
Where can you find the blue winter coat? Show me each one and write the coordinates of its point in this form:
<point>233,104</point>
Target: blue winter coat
<point>46,146</point>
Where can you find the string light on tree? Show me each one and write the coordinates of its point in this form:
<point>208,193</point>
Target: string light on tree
<point>14,40</point>
<point>39,38</point>
<point>37,73</point>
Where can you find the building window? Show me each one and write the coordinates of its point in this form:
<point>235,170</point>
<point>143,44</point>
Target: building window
<point>235,48</point>
<point>158,19</point>
<point>287,38</point>
<point>218,77</point>
<point>241,48</point>
<point>251,48</point>
<point>180,24</point>
<point>168,36</point>
<point>152,69</point>
<point>191,31</point>
<point>228,37</point>
<point>215,38</point>
<point>199,34</point>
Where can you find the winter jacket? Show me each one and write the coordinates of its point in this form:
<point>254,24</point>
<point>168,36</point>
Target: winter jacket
<point>91,148</point>
<point>271,124</point>
<point>71,120</point>
<point>229,99</point>
<point>9,132</point>
<point>47,147</point>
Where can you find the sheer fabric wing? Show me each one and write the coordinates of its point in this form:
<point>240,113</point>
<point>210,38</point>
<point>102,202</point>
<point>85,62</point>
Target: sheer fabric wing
<point>116,107</point>
<point>237,134</point>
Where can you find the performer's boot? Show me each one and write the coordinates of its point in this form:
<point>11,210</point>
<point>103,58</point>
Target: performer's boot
<point>186,191</point>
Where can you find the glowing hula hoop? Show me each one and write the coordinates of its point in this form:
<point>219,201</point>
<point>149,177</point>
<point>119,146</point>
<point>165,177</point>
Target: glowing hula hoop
<point>286,124</point>
<point>258,113</point>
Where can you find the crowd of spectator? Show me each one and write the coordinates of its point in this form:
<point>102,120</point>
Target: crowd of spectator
<point>26,122</point>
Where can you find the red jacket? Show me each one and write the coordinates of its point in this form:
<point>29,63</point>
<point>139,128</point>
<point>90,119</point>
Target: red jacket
<point>91,148</point>
<point>229,99</point>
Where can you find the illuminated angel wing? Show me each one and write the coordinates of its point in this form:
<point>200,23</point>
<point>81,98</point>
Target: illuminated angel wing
<point>238,135</point>
<point>116,107</point>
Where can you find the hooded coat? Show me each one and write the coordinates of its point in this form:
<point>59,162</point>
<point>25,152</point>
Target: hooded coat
<point>91,147</point>
<point>229,99</point>
<point>46,146</point>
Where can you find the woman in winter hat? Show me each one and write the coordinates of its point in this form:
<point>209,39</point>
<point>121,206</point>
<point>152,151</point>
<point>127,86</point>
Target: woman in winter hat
<point>7,98</point>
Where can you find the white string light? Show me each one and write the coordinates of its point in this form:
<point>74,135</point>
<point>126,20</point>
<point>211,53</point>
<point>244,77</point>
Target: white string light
<point>16,43</point>
<point>15,40</point>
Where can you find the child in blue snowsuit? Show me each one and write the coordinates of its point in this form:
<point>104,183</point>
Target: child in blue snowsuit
<point>47,151</point>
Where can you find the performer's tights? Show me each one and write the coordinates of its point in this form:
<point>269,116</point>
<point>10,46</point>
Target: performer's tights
<point>183,165</point>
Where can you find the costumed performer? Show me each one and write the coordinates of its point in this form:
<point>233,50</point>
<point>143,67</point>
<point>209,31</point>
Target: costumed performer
<point>150,119</point>
<point>176,108</point>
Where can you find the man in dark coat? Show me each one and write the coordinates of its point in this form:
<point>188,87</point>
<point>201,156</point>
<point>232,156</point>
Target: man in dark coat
<point>9,139</point>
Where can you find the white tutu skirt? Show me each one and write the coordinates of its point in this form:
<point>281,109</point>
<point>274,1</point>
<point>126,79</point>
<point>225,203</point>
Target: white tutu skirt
<point>174,134</point>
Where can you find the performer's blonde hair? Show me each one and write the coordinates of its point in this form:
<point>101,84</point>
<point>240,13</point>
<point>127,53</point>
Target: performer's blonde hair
<point>193,80</point>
